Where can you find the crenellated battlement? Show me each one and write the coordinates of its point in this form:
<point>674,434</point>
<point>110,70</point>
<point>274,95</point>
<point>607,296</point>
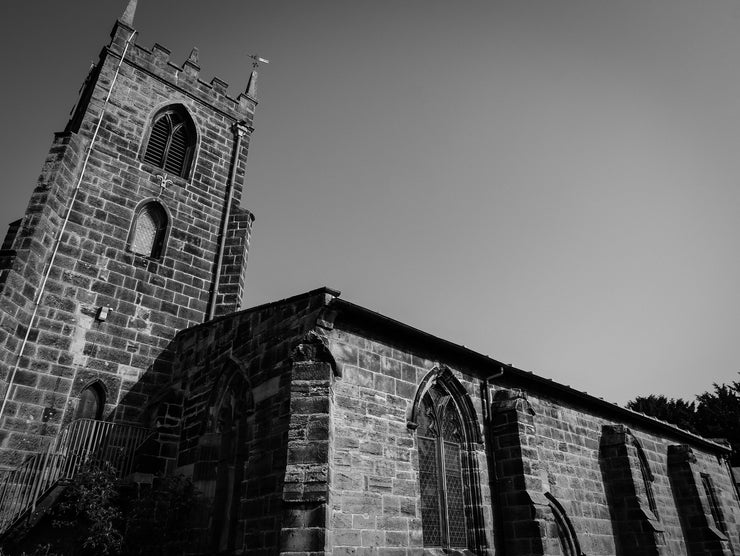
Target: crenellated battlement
<point>185,77</point>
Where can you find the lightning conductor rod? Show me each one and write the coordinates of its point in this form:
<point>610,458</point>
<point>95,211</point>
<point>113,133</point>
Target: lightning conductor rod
<point>47,272</point>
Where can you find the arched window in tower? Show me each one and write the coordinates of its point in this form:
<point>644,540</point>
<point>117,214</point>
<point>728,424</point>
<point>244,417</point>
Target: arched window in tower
<point>149,230</point>
<point>171,141</point>
<point>441,441</point>
<point>92,401</point>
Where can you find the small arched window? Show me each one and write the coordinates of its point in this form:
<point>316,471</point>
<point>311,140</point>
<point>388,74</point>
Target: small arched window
<point>171,141</point>
<point>149,230</point>
<point>92,401</point>
<point>441,443</point>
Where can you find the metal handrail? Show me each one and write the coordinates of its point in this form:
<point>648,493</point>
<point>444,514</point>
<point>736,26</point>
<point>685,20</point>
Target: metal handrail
<point>85,442</point>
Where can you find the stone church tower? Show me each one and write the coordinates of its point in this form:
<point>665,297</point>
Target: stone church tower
<point>133,232</point>
<point>309,426</point>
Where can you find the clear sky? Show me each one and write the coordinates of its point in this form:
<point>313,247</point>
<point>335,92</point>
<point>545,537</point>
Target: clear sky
<point>552,183</point>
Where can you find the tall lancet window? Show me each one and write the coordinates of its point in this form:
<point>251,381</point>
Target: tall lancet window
<point>171,141</point>
<point>441,440</point>
<point>647,479</point>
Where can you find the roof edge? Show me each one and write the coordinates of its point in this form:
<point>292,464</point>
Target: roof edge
<point>329,294</point>
<point>376,319</point>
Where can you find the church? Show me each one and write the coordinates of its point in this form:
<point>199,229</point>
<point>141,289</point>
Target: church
<point>311,425</point>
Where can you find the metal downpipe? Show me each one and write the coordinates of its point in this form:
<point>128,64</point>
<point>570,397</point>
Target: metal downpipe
<point>239,132</point>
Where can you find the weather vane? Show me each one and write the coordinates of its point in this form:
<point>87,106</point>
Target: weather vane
<point>257,60</point>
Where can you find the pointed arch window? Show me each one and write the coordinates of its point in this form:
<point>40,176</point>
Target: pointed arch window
<point>647,478</point>
<point>223,456</point>
<point>91,403</point>
<point>441,442</point>
<point>171,141</point>
<point>149,230</point>
<point>714,506</point>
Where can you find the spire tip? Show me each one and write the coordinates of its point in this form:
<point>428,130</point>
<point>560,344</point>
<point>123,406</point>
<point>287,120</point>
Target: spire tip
<point>128,14</point>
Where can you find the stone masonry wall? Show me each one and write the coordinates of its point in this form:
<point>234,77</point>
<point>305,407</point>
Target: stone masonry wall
<point>374,490</point>
<point>256,348</point>
<point>233,278</point>
<point>706,534</point>
<point>149,300</point>
<point>569,463</point>
<point>44,375</point>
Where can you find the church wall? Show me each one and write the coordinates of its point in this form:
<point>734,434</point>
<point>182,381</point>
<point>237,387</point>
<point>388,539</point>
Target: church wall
<point>374,491</point>
<point>247,357</point>
<point>570,464</point>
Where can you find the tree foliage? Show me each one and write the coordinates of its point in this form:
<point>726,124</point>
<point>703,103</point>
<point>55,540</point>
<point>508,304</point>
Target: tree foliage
<point>98,516</point>
<point>158,522</point>
<point>718,416</point>
<point>715,414</point>
<point>676,411</point>
<point>89,509</point>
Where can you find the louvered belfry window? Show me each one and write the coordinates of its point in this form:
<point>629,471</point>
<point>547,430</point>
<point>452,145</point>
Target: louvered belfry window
<point>147,235</point>
<point>171,142</point>
<point>441,480</point>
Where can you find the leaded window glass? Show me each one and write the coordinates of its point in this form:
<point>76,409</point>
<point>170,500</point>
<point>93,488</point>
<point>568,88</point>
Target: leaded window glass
<point>441,471</point>
<point>148,231</point>
<point>90,405</point>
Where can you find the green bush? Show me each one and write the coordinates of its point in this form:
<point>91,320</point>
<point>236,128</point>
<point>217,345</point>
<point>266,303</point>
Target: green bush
<point>98,516</point>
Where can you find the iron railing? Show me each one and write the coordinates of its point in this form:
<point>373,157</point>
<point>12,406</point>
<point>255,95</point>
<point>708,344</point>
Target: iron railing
<point>86,442</point>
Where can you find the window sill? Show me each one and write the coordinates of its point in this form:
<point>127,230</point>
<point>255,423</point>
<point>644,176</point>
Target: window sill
<point>438,551</point>
<point>147,263</point>
<point>652,519</point>
<point>713,531</point>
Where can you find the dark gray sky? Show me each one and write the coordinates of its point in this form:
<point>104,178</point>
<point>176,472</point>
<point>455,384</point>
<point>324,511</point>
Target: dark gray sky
<point>551,183</point>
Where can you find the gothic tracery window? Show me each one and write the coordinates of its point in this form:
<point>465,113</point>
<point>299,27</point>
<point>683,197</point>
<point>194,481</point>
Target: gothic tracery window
<point>171,142</point>
<point>441,442</point>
